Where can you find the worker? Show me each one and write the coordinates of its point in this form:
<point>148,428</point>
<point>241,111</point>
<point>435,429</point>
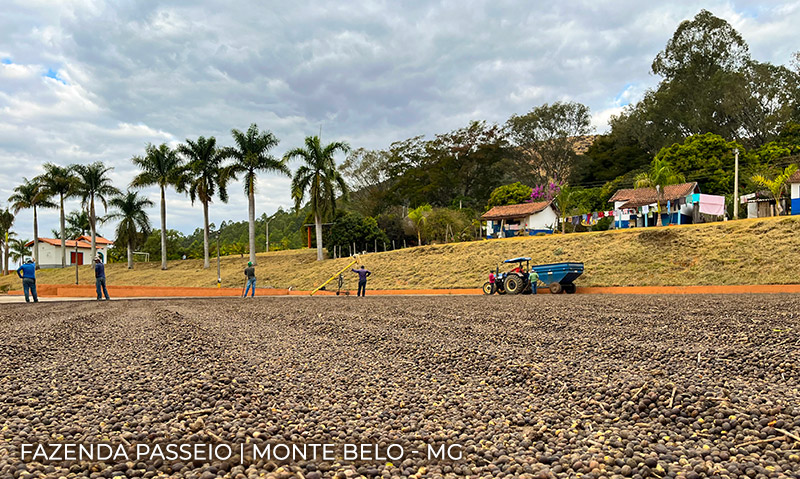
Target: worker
<point>250,272</point>
<point>534,278</point>
<point>27,272</point>
<point>363,273</point>
<point>100,278</point>
<point>492,280</point>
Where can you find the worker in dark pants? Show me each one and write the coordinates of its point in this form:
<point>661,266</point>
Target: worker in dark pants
<point>534,278</point>
<point>100,278</point>
<point>27,272</point>
<point>363,273</point>
<point>250,273</point>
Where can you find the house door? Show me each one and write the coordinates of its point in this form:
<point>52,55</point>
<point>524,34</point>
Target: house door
<point>76,258</point>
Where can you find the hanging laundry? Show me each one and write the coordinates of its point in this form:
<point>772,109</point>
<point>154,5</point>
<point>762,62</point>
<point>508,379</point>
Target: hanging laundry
<point>668,206</point>
<point>601,214</point>
<point>645,209</point>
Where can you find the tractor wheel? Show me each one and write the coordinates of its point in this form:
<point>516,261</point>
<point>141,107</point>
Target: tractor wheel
<point>488,288</point>
<point>514,284</point>
<point>570,288</point>
<point>556,288</point>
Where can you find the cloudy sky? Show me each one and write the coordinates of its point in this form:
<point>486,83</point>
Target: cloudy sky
<point>91,80</point>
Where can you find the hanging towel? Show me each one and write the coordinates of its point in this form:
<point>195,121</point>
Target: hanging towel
<point>668,206</point>
<point>645,209</point>
<point>601,214</point>
<point>576,220</point>
<point>712,204</point>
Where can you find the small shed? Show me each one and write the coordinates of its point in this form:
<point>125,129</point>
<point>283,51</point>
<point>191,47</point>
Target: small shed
<point>521,219</point>
<point>794,185</point>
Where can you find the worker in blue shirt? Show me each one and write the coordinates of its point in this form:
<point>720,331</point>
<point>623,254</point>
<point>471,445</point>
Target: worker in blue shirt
<point>28,274</point>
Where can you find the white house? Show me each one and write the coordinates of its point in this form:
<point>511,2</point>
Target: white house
<point>50,251</point>
<point>794,182</point>
<point>516,220</point>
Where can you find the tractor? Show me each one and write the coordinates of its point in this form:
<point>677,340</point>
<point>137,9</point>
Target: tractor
<point>515,281</point>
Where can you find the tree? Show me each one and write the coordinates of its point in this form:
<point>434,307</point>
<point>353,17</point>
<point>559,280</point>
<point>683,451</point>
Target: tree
<point>545,136</point>
<point>94,184</point>
<point>660,175</point>
<point>367,172</point>
<point>31,194</point>
<point>78,224</point>
<point>512,194</point>
<point>6,221</point>
<point>319,178</point>
<point>61,181</point>
<point>776,185</point>
<point>701,47</point>
<point>251,157</point>
<point>350,227</point>
<point>18,249</point>
<point>130,211</point>
<point>163,167</point>
<point>707,158</point>
<point>205,176</point>
<point>418,217</point>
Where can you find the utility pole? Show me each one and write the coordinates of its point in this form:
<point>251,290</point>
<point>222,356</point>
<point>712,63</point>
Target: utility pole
<point>219,276</point>
<point>736,186</point>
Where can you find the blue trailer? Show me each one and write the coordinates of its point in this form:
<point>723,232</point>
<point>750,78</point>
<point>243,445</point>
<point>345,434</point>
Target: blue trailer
<point>559,277</point>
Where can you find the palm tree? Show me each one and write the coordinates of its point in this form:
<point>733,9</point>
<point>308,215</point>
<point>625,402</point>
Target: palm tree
<point>251,156</point>
<point>94,184</point>
<point>61,181</point>
<point>418,216</point>
<point>205,175</point>
<point>659,176</point>
<point>133,220</point>
<point>78,224</point>
<point>163,167</point>
<point>776,185</point>
<point>18,249</point>
<point>6,221</point>
<point>320,178</point>
<point>31,194</point>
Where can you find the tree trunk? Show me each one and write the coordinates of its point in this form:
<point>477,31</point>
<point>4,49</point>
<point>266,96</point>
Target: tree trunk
<point>92,227</point>
<point>564,226</point>
<point>251,217</point>
<point>206,263</point>
<point>5,259</point>
<point>419,237</point>
<point>163,230</point>
<point>130,255</point>
<point>35,237</point>
<point>318,229</point>
<point>63,239</point>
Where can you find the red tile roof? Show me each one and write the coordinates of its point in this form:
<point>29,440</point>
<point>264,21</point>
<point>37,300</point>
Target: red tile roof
<point>97,240</point>
<point>795,178</point>
<point>83,242</point>
<point>644,196</point>
<point>57,242</point>
<point>515,211</point>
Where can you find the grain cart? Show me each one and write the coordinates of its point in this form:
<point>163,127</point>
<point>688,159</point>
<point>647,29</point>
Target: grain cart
<point>559,277</point>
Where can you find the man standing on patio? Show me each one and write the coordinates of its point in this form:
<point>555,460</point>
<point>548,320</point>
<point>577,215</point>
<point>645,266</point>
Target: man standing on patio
<point>362,279</point>
<point>28,276</point>
<point>100,278</point>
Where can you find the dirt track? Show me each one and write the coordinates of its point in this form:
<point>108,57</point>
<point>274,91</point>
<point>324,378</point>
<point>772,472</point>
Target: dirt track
<point>548,386</point>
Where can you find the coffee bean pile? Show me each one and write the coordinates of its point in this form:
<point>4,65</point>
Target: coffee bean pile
<point>532,387</point>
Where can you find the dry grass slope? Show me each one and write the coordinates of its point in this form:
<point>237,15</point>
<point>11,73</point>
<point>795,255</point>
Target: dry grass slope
<point>759,251</point>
